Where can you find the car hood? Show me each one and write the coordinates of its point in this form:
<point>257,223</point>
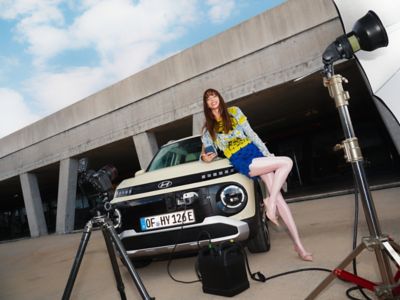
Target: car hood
<point>172,179</point>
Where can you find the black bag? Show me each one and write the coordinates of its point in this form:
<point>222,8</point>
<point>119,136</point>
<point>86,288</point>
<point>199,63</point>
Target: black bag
<point>222,269</point>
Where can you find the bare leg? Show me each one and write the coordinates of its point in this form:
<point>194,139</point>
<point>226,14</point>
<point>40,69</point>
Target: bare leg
<point>286,215</point>
<point>280,166</point>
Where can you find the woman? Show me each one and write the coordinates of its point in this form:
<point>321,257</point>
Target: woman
<point>228,130</point>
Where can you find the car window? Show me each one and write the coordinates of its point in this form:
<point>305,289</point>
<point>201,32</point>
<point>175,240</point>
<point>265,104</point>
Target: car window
<point>176,153</point>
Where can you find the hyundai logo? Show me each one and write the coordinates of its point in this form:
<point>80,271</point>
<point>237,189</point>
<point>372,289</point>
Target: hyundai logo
<point>164,184</point>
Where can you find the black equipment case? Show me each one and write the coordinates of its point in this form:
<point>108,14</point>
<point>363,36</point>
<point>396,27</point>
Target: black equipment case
<point>222,269</point>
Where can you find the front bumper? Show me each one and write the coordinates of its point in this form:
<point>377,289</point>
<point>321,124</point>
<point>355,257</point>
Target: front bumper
<point>216,229</point>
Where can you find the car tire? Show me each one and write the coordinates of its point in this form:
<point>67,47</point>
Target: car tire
<point>261,240</point>
<point>141,263</point>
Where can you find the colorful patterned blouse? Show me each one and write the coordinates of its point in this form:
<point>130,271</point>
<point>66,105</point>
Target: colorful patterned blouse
<point>240,136</point>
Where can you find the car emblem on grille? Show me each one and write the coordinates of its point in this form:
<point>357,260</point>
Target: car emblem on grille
<point>164,184</point>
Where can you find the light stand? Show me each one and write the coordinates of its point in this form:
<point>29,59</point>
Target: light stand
<point>382,245</point>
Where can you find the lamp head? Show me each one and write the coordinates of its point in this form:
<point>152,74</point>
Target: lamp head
<point>368,34</point>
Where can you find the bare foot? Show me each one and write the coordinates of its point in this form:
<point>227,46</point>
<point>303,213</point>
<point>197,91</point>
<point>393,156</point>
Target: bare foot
<point>303,254</point>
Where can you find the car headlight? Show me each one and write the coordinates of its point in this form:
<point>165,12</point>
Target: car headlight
<point>233,199</point>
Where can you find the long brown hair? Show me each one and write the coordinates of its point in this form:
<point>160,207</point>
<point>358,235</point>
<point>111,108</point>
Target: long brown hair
<point>210,121</point>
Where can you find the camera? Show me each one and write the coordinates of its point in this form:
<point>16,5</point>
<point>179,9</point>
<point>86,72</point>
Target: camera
<point>97,185</point>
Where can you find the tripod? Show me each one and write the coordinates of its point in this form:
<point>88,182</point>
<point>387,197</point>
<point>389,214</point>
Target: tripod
<point>111,239</point>
<point>382,245</point>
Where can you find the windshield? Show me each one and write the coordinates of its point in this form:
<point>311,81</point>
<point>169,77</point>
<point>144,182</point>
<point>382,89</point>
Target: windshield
<point>176,153</point>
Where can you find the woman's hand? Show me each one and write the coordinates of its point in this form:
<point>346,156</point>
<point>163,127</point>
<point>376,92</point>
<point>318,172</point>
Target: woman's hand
<point>207,157</point>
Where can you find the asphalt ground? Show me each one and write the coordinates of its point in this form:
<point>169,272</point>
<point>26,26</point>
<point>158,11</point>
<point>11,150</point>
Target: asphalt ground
<point>38,268</point>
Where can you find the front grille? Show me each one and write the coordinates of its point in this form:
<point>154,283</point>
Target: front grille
<point>132,211</point>
<point>207,204</point>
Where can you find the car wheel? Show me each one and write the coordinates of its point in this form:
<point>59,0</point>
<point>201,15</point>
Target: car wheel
<point>261,241</point>
<point>141,263</point>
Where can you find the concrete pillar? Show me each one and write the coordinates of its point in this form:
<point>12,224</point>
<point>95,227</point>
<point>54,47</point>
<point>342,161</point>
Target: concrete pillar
<point>198,122</point>
<point>146,147</point>
<point>33,204</point>
<point>66,195</point>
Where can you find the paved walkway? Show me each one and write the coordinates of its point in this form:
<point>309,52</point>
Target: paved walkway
<point>38,268</point>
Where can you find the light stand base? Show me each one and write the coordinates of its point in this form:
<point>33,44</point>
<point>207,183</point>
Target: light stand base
<point>383,291</point>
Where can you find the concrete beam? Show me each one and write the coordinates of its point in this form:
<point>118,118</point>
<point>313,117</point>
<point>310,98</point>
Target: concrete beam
<point>146,147</point>
<point>66,195</point>
<point>33,204</point>
<point>198,122</point>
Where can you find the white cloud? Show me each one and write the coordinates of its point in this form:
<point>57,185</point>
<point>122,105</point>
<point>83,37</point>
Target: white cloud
<point>8,64</point>
<point>112,26</point>
<point>46,42</point>
<point>125,36</point>
<point>15,113</point>
<point>11,9</point>
<point>54,91</point>
<point>220,10</point>
<point>39,24</point>
<point>107,25</point>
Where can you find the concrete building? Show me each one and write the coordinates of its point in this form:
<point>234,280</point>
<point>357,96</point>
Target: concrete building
<point>269,66</point>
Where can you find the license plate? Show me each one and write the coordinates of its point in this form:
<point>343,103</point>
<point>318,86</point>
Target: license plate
<point>167,220</point>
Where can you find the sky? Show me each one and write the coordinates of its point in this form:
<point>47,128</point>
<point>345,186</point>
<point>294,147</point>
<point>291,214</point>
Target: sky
<point>54,53</point>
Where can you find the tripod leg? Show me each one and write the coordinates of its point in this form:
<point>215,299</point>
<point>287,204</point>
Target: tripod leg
<point>117,273</point>
<point>120,247</point>
<point>332,275</point>
<point>384,266</point>
<point>78,259</point>
<point>391,250</point>
<point>395,246</point>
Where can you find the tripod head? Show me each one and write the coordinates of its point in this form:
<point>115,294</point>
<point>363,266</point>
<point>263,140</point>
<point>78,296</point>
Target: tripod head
<point>97,187</point>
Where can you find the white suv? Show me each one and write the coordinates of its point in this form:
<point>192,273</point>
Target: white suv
<point>181,202</point>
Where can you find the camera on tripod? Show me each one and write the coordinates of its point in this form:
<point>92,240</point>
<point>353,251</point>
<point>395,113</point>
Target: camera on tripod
<point>97,186</point>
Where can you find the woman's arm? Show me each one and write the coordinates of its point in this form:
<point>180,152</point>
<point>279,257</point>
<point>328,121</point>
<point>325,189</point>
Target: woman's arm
<point>242,120</point>
<point>207,142</point>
